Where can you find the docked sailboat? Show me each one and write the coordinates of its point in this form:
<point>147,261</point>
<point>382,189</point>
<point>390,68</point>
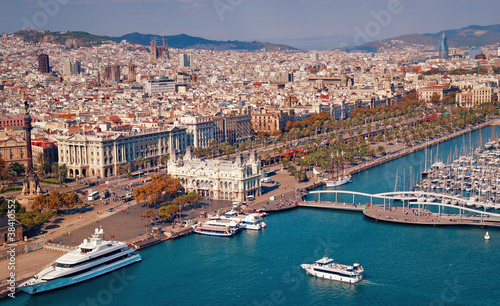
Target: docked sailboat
<point>341,179</point>
<point>92,258</point>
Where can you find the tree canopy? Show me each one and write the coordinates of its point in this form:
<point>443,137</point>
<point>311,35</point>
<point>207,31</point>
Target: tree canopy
<point>160,187</point>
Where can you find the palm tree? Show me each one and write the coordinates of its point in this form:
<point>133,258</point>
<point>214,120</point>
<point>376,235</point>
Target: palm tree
<point>139,162</point>
<point>266,158</point>
<point>60,171</point>
<point>43,161</point>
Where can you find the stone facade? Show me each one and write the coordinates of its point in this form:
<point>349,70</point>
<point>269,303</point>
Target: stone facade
<point>200,130</point>
<point>271,121</point>
<point>232,129</point>
<point>100,155</point>
<point>218,179</point>
<point>13,151</point>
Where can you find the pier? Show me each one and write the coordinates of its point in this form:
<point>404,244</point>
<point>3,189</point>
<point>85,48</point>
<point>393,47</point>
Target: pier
<point>410,211</point>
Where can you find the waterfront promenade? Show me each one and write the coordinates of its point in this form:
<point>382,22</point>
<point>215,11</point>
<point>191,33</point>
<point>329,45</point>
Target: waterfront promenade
<point>289,190</point>
<point>126,223</point>
<point>420,216</point>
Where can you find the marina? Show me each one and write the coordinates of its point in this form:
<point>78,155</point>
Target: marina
<point>321,228</point>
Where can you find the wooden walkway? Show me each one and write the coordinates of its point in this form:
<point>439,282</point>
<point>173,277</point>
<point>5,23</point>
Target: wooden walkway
<point>415,216</point>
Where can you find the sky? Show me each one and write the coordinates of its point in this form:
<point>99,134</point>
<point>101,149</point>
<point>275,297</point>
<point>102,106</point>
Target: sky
<point>315,23</point>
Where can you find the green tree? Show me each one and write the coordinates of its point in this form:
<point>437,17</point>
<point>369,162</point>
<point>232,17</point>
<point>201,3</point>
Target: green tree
<point>18,168</point>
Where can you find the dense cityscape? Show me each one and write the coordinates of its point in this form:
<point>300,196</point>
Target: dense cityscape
<point>151,143</point>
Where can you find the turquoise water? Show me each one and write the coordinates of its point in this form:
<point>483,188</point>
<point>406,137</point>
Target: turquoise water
<point>408,265</point>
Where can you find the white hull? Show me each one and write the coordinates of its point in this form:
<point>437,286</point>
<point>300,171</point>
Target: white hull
<point>215,234</point>
<point>43,286</point>
<point>310,270</point>
<point>214,231</point>
<point>340,182</point>
<point>255,227</point>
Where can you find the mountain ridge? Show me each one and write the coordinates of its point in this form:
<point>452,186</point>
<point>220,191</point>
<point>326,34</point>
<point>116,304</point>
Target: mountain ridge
<point>470,36</point>
<point>181,41</point>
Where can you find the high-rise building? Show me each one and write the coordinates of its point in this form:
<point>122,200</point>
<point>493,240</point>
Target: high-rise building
<point>71,68</point>
<point>443,46</point>
<point>473,52</point>
<point>185,60</point>
<point>159,86</point>
<point>43,63</point>
<point>498,52</point>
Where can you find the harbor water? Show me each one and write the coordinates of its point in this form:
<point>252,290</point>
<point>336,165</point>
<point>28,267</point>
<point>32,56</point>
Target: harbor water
<point>411,265</point>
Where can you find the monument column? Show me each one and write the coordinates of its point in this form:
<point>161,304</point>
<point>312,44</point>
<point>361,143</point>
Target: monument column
<point>31,186</point>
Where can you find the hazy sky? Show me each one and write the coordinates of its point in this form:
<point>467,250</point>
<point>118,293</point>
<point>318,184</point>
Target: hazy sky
<point>264,20</point>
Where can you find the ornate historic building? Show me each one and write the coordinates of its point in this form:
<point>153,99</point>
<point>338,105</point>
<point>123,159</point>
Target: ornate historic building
<point>13,151</point>
<point>100,155</point>
<point>218,179</point>
<point>271,121</point>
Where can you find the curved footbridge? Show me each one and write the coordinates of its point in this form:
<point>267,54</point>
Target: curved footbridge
<point>410,207</point>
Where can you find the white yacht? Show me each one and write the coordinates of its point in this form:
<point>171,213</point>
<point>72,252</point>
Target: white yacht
<point>92,258</point>
<point>252,221</point>
<point>326,268</point>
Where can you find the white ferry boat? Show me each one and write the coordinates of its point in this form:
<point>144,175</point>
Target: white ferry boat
<point>339,182</point>
<point>92,258</point>
<point>218,227</point>
<point>326,268</point>
<point>214,230</point>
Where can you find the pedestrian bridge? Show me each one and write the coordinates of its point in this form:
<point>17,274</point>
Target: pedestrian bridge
<point>416,199</point>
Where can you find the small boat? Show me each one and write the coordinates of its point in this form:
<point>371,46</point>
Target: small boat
<point>327,269</point>
<point>487,236</point>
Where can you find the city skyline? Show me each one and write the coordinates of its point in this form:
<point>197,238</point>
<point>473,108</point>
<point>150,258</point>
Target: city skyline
<point>320,24</point>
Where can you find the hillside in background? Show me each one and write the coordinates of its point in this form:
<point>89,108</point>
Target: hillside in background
<point>471,36</point>
<point>79,39</point>
<point>185,41</point>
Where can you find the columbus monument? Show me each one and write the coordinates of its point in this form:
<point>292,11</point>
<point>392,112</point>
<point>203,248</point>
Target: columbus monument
<point>31,186</point>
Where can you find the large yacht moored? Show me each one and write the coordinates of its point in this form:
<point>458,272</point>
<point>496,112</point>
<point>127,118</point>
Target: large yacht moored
<point>92,258</point>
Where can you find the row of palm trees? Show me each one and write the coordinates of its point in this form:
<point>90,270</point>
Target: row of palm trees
<point>364,141</point>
